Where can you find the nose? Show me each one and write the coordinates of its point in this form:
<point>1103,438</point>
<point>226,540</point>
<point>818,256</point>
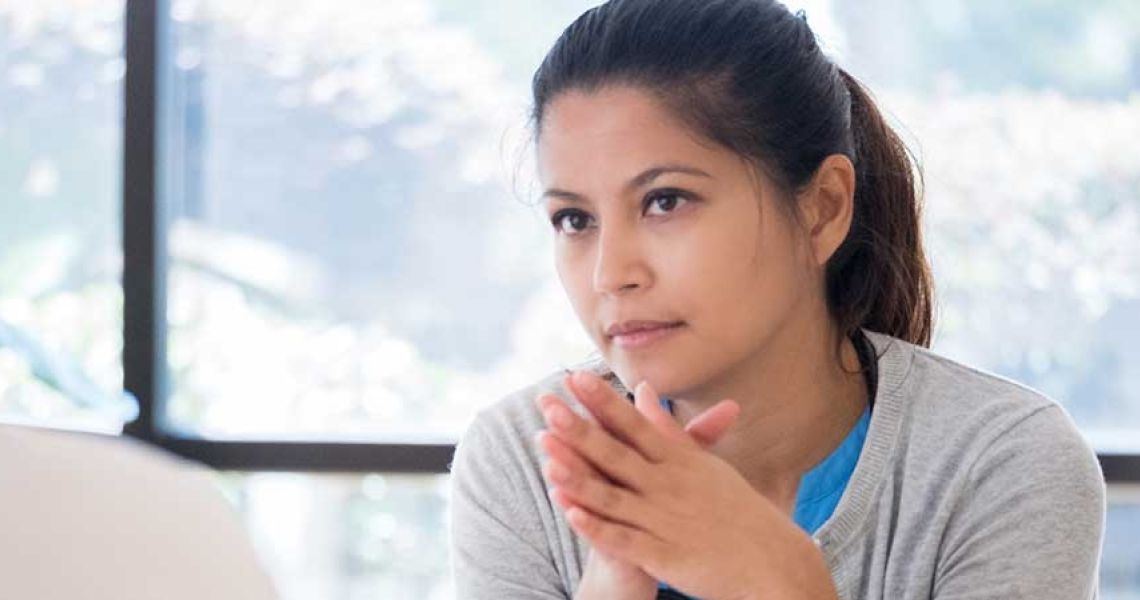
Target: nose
<point>619,265</point>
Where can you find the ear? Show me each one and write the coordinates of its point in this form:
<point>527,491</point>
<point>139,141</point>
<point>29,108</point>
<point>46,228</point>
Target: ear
<point>827,206</point>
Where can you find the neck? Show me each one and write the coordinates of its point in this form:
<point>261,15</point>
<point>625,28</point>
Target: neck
<point>797,405</point>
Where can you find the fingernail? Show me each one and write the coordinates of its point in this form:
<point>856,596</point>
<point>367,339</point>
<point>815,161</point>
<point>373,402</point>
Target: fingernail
<point>558,417</point>
<point>585,382</point>
<point>558,472</point>
<point>541,401</point>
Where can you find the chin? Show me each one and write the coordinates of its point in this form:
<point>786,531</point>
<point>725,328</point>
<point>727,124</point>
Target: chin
<point>662,374</point>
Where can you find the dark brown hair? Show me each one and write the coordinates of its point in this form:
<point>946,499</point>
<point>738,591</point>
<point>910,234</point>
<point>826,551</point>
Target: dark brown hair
<point>750,76</point>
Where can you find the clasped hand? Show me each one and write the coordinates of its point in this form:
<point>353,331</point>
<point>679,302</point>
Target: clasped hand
<point>640,488</point>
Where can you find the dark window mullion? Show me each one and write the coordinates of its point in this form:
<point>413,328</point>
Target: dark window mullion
<point>1120,468</point>
<point>346,457</point>
<point>144,243</point>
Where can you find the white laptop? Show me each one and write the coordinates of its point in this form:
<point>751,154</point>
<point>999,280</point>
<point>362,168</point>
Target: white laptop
<point>90,517</point>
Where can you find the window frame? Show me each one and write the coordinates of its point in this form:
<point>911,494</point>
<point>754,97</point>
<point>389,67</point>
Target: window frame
<point>144,234</point>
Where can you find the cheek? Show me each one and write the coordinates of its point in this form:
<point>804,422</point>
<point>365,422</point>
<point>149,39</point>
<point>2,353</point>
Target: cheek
<point>573,269</point>
<point>744,278</point>
<point>720,261</point>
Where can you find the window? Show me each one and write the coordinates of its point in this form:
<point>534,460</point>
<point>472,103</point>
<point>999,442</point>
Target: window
<point>61,77</point>
<point>367,536</point>
<point>1023,115</point>
<point>348,258</point>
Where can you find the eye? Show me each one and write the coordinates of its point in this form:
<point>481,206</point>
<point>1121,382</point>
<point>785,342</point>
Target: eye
<point>665,200</point>
<point>570,221</point>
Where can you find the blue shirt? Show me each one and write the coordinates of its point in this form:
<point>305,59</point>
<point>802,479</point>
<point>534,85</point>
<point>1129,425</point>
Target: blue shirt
<point>821,487</point>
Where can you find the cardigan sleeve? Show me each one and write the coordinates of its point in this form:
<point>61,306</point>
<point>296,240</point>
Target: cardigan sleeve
<point>499,549</point>
<point>1031,522</point>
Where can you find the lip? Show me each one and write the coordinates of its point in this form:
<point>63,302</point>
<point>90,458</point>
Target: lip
<point>638,334</point>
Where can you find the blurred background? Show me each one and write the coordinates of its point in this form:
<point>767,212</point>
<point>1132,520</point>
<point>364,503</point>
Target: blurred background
<point>348,260</point>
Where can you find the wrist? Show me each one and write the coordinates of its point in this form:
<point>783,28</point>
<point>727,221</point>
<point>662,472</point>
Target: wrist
<point>804,575</point>
<point>815,582</point>
<point>608,579</point>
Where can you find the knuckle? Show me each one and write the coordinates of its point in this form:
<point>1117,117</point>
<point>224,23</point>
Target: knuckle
<point>589,526</point>
<point>620,538</point>
<point>610,499</point>
<point>614,454</point>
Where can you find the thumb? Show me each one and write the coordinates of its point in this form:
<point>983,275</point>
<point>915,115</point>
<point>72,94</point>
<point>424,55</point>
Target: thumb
<point>647,402</point>
<point>704,429</point>
<point>707,427</point>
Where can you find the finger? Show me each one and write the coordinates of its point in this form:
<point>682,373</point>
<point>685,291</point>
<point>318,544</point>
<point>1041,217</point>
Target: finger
<point>705,429</point>
<point>618,539</point>
<point>708,427</point>
<point>596,494</point>
<point>556,449</point>
<point>568,460</point>
<point>617,416</point>
<point>648,403</point>
<point>579,483</point>
<point>610,456</point>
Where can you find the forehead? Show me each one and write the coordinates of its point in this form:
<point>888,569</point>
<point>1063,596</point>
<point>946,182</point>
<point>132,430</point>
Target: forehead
<point>614,132</point>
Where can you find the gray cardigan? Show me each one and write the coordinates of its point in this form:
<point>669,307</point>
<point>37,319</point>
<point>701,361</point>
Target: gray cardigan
<point>969,485</point>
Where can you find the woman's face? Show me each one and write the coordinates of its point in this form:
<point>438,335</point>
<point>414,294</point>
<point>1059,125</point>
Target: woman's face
<point>653,224</point>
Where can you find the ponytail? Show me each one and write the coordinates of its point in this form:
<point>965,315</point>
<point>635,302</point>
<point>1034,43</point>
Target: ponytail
<point>879,277</point>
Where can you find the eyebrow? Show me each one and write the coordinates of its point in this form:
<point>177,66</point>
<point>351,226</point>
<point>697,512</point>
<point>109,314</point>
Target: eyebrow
<point>641,180</point>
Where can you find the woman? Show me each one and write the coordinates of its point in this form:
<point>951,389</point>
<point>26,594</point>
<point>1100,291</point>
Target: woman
<point>738,231</point>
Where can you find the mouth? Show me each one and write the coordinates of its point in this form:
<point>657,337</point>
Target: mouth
<point>640,334</point>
